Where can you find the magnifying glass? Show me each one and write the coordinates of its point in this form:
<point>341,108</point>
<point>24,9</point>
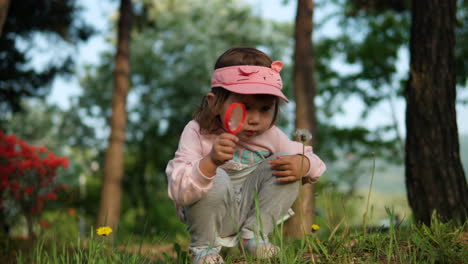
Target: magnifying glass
<point>234,118</point>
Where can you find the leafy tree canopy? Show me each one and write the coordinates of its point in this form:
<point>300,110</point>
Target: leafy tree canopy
<point>372,39</point>
<point>27,21</point>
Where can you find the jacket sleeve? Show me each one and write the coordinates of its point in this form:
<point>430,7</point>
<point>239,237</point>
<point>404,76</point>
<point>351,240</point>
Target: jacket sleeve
<point>317,166</point>
<point>186,183</point>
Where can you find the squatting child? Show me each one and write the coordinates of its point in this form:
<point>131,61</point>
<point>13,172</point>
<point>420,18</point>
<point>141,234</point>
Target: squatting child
<point>215,176</point>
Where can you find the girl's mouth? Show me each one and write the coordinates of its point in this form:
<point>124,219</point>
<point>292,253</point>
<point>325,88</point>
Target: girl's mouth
<point>249,132</point>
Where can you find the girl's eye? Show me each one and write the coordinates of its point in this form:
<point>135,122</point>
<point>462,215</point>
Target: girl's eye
<point>266,108</point>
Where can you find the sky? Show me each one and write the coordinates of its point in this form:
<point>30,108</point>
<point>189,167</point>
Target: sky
<point>99,12</point>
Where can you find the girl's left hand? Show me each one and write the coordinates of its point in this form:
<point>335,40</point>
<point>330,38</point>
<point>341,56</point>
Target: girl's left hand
<point>288,168</point>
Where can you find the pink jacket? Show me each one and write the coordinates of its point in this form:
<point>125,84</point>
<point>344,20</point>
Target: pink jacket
<point>187,184</point>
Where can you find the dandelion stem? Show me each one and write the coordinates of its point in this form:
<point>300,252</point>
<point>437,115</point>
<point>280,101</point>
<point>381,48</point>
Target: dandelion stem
<point>369,194</point>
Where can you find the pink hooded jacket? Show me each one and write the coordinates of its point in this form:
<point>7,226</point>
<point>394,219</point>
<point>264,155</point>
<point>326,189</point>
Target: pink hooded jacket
<point>187,184</point>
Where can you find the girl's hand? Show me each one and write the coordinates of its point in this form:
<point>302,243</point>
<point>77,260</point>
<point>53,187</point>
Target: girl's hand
<point>288,168</point>
<point>223,148</point>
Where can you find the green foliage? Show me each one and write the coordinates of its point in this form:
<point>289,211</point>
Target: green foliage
<point>28,21</point>
<point>362,62</point>
<point>358,63</point>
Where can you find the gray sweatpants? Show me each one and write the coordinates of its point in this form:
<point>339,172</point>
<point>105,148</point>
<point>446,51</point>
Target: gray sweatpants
<point>229,210</point>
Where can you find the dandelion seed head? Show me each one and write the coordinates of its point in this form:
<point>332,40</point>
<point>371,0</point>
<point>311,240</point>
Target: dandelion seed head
<point>303,134</point>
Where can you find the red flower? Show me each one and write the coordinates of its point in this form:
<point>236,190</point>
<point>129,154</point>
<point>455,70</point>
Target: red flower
<point>65,162</point>
<point>35,163</point>
<point>25,164</point>
<point>5,183</point>
<point>6,171</point>
<point>27,170</point>
<point>71,211</point>
<point>28,190</point>
<point>15,185</point>
<point>42,149</point>
<point>44,224</point>
<point>39,204</point>
<point>42,171</point>
<point>7,152</point>
<point>11,139</point>
<point>50,196</point>
<point>50,156</point>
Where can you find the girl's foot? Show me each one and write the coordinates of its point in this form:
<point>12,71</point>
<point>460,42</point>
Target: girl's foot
<point>208,256</point>
<point>260,249</point>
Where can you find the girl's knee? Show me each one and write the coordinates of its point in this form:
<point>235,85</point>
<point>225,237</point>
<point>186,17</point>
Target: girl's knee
<point>220,189</point>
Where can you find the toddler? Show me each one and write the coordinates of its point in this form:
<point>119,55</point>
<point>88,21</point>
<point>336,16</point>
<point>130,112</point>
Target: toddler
<point>238,186</point>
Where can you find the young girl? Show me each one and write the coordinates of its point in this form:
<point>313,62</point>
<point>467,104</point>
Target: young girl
<point>222,182</point>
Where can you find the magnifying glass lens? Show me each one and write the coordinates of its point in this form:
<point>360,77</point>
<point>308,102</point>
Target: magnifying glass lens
<point>235,117</point>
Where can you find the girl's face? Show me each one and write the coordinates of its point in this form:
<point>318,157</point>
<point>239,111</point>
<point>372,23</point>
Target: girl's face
<point>260,113</point>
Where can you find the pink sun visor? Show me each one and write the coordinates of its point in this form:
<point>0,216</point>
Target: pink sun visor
<point>250,79</point>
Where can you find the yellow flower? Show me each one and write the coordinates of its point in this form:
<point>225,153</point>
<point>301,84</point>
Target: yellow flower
<point>315,227</point>
<point>104,231</point>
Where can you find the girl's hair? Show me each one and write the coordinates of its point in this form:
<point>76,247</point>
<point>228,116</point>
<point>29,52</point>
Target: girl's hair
<point>205,115</point>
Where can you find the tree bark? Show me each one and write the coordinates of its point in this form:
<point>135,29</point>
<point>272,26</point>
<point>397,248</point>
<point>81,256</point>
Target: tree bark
<point>30,226</point>
<point>434,175</point>
<point>109,212</point>
<point>304,92</point>
<point>4,5</point>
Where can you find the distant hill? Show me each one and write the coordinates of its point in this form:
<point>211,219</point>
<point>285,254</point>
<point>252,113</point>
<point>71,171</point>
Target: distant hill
<point>464,152</point>
<point>390,179</point>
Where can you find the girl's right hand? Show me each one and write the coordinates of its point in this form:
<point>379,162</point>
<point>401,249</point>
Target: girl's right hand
<point>223,148</point>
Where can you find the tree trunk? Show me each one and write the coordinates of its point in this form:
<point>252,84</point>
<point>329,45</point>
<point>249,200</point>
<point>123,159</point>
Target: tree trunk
<point>109,212</point>
<point>434,175</point>
<point>30,226</point>
<point>304,92</point>
<point>4,225</point>
<point>4,5</point>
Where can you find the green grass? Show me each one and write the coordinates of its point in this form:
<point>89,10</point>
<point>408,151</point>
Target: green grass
<point>439,243</point>
<point>349,233</point>
<point>341,239</point>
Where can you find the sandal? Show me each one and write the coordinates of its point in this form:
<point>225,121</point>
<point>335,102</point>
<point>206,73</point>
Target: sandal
<point>208,256</point>
<point>260,249</point>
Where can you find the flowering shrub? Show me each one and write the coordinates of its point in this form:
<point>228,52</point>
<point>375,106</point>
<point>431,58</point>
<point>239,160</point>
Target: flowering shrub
<point>27,178</point>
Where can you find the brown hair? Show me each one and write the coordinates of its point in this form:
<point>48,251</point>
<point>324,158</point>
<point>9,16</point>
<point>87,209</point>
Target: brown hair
<point>205,116</point>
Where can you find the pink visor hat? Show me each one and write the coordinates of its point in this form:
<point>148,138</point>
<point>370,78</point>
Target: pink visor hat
<point>249,79</point>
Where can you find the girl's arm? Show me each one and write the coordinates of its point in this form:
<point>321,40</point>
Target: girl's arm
<point>316,166</point>
<point>186,182</point>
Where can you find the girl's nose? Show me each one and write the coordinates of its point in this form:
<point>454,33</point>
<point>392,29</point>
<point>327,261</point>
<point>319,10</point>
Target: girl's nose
<point>253,117</point>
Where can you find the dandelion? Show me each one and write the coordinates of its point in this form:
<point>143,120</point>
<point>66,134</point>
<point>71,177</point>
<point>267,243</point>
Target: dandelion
<point>303,135</point>
<point>104,231</point>
<point>315,227</point>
